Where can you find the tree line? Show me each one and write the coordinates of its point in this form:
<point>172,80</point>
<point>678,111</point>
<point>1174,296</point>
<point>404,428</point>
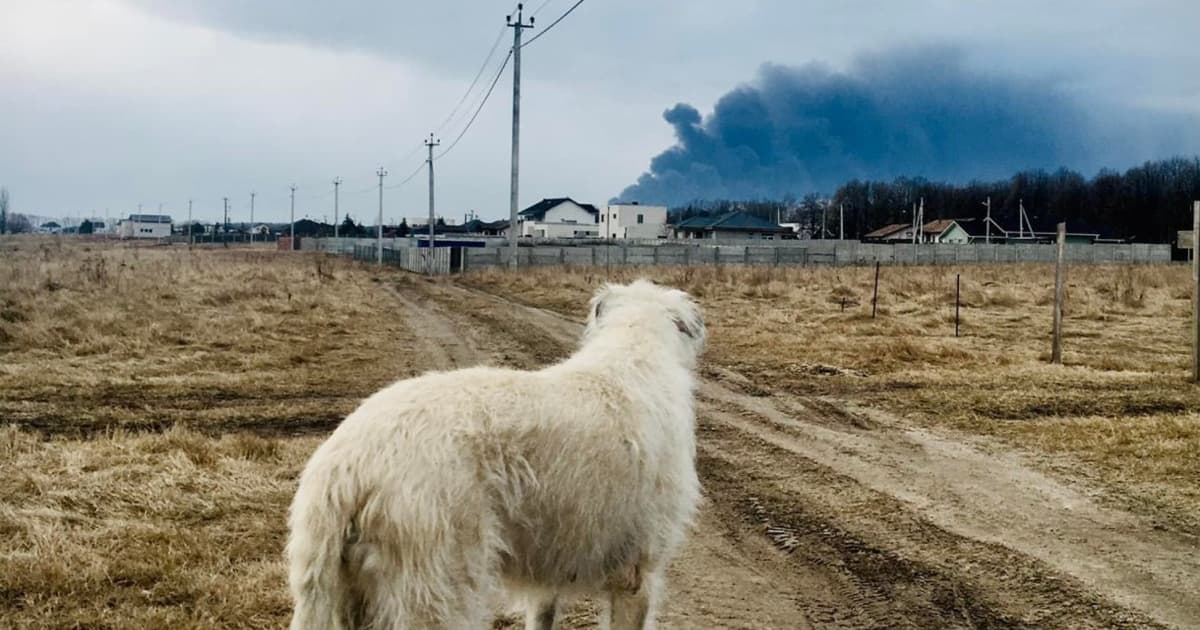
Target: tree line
<point>1146,203</point>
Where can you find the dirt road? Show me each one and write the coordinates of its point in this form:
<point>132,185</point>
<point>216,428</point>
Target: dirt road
<point>824,515</point>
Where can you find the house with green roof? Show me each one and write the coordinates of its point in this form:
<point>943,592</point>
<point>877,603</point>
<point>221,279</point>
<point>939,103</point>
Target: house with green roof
<point>735,225</point>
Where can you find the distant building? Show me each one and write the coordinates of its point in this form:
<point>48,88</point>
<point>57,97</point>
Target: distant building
<point>939,231</point>
<point>730,226</point>
<point>145,226</point>
<point>633,220</point>
<point>50,227</point>
<point>559,217</point>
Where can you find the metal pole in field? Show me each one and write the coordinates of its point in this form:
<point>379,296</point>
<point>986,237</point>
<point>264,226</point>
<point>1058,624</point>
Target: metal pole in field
<point>875,293</point>
<point>379,221</point>
<point>1056,349</point>
<point>957,301</point>
<point>987,222</point>
<point>430,143</point>
<point>337,181</point>
<point>841,221</point>
<point>1195,295</point>
<point>191,239</point>
<point>225,226</point>
<point>513,199</point>
<point>292,229</point>
<point>252,218</point>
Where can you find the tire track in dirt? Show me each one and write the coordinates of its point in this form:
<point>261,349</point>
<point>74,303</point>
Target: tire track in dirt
<point>893,527</point>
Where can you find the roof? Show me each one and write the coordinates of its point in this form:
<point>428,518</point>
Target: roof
<point>149,218</point>
<point>887,230</point>
<point>538,211</point>
<point>732,221</point>
<point>939,226</point>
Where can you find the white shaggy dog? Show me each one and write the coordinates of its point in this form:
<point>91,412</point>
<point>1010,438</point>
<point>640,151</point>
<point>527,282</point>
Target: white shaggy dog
<point>441,492</point>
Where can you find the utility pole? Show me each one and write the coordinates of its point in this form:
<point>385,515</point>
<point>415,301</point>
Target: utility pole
<point>517,26</point>
<point>824,208</point>
<point>225,227</point>
<point>292,229</point>
<point>987,239</point>
<point>429,144</point>
<point>337,181</point>
<point>841,221</point>
<point>379,222</point>
<point>252,193</point>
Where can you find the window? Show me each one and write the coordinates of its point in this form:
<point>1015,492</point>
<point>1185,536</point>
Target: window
<point>641,219</point>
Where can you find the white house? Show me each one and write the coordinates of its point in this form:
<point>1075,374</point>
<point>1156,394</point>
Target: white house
<point>145,226</point>
<point>559,217</point>
<point>633,221</point>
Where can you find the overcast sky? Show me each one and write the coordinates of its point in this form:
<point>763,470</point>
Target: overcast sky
<point>105,104</point>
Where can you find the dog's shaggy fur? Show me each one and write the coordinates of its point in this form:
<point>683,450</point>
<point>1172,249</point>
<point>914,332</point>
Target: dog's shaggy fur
<point>441,492</point>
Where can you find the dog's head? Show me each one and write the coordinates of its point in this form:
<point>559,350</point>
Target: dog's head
<point>665,311</point>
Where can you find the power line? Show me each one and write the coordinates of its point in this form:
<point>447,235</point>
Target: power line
<point>486,61</point>
<point>495,80</point>
<point>409,178</point>
<point>552,24</point>
<point>540,7</point>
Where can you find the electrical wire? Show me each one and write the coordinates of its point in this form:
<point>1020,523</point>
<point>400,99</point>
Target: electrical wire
<point>552,24</point>
<point>540,7</point>
<point>486,96</point>
<point>486,61</point>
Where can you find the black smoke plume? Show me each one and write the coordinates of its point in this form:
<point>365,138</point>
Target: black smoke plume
<point>915,112</point>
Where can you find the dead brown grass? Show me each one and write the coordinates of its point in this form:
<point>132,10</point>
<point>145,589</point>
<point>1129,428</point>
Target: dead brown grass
<point>147,398</point>
<point>1120,408</point>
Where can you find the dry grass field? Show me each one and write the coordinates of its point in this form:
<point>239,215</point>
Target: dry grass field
<point>156,405</point>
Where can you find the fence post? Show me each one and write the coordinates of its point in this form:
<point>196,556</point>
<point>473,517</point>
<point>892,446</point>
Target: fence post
<point>957,301</point>
<point>875,293</point>
<point>746,255</point>
<point>687,255</point>
<point>624,254</point>
<point>776,256</point>
<point>655,255</point>
<point>593,248</point>
<point>1056,349</point>
<point>716,255</point>
<point>562,256</point>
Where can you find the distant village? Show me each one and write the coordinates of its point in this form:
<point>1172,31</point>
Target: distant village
<point>565,218</point>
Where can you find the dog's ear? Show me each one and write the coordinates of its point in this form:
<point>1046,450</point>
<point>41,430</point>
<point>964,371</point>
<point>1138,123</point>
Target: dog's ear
<point>597,303</point>
<point>683,327</point>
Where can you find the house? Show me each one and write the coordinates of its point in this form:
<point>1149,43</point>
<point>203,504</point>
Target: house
<point>893,233</point>
<point>262,230</point>
<point>559,217</point>
<point>735,225</point>
<point>944,231</point>
<point>145,226</point>
<point>50,227</point>
<point>633,220</point>
<point>937,231</point>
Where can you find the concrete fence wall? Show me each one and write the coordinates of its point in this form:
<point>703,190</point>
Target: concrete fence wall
<point>403,253</point>
<point>842,253</point>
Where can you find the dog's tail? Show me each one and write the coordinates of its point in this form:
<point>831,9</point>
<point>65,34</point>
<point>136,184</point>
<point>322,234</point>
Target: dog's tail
<point>320,531</point>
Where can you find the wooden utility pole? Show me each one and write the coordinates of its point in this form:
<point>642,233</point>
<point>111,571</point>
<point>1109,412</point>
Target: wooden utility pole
<point>1056,349</point>
<point>1195,295</point>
